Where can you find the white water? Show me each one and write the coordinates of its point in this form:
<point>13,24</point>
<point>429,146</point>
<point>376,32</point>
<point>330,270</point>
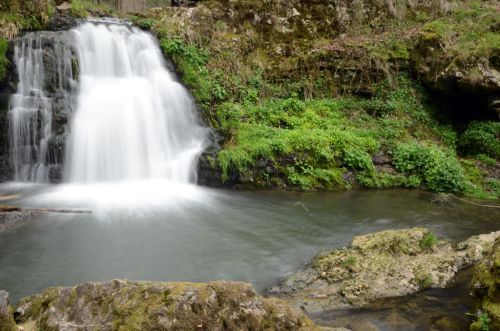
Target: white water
<point>30,109</point>
<point>133,122</point>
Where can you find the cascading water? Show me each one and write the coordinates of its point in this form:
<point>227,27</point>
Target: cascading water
<point>31,108</point>
<point>133,120</point>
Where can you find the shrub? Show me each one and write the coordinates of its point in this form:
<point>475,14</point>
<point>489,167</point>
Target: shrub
<point>481,138</point>
<point>359,159</point>
<point>441,171</point>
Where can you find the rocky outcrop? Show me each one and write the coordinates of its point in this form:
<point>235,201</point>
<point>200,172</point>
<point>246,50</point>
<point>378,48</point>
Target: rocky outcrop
<point>62,23</point>
<point>6,318</point>
<point>385,264</point>
<point>485,287</point>
<point>127,305</point>
<point>459,58</point>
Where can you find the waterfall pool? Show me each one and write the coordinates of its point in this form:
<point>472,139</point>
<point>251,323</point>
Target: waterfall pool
<point>190,233</point>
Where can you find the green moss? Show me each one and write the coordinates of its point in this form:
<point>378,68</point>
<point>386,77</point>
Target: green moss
<point>485,288</point>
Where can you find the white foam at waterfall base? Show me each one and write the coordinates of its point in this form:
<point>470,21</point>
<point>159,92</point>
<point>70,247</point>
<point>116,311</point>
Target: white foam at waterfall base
<point>134,138</point>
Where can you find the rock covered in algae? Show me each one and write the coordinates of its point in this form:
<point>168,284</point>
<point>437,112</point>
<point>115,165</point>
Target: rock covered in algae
<point>6,317</point>
<point>129,305</point>
<point>485,287</point>
<point>385,264</point>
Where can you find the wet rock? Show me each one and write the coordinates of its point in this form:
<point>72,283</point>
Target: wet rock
<point>485,287</point>
<point>380,265</point>
<point>62,22</point>
<point>6,318</point>
<point>210,174</point>
<point>131,305</point>
<point>60,85</point>
<point>13,219</point>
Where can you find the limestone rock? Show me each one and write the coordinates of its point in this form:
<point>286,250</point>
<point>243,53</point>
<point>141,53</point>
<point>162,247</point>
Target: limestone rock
<point>132,305</point>
<point>385,264</point>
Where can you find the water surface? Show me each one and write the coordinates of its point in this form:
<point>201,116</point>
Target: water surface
<point>190,233</point>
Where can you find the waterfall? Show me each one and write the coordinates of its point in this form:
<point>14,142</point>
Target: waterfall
<point>44,91</point>
<point>133,120</point>
<point>128,118</point>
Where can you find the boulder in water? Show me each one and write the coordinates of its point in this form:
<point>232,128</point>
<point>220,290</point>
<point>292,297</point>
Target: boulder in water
<point>129,305</point>
<point>379,265</point>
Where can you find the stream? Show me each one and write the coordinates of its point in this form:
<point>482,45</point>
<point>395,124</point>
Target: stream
<point>182,232</point>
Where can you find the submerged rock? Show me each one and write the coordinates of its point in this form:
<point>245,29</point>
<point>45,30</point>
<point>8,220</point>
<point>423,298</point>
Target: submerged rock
<point>485,287</point>
<point>13,219</point>
<point>385,264</point>
<point>128,305</point>
<point>6,320</point>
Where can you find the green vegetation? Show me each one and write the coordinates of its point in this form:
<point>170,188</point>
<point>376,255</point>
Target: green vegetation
<point>16,16</point>
<point>312,143</point>
<point>482,323</point>
<point>423,280</point>
<point>350,261</point>
<point>3,57</point>
<point>428,241</point>
<point>85,8</point>
<point>482,138</point>
<point>471,30</point>
<point>438,168</point>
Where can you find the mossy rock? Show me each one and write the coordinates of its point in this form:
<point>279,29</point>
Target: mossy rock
<point>485,287</point>
<point>6,318</point>
<point>127,305</point>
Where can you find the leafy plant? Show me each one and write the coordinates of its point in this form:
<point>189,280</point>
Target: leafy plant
<point>482,138</point>
<point>440,170</point>
<point>428,241</point>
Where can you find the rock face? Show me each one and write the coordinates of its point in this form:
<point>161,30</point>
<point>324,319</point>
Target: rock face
<point>385,264</point>
<point>60,74</point>
<point>448,61</point>
<point>127,305</point>
<point>485,287</point>
<point>6,320</point>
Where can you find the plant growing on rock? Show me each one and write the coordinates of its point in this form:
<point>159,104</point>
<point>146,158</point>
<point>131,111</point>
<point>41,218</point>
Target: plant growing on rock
<point>428,241</point>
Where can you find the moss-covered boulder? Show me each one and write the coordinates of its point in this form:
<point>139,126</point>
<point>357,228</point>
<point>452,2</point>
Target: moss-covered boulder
<point>485,287</point>
<point>6,318</point>
<point>128,305</point>
<point>385,264</point>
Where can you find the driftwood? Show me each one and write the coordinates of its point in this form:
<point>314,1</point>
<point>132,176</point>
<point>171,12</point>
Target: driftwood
<point>445,199</point>
<point>10,209</point>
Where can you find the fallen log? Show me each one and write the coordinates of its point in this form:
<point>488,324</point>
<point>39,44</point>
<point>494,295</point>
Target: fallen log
<point>63,211</point>
<point>10,209</point>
